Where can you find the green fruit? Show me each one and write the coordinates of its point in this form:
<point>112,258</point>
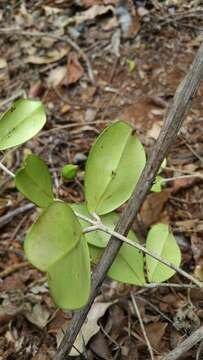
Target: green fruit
<point>69,171</point>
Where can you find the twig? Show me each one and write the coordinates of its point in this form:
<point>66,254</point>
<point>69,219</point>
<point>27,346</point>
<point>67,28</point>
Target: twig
<point>65,38</point>
<point>155,308</point>
<point>199,351</point>
<point>142,326</point>
<point>173,121</point>
<point>182,177</point>
<point>7,171</point>
<point>13,268</point>
<point>13,97</point>
<point>171,285</point>
<point>5,219</point>
<point>185,345</point>
<point>100,226</point>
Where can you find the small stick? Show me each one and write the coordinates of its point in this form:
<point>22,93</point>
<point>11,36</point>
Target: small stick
<point>7,171</point>
<point>164,180</point>
<point>186,345</point>
<point>155,308</point>
<point>5,219</point>
<point>98,225</point>
<point>13,268</point>
<point>142,326</point>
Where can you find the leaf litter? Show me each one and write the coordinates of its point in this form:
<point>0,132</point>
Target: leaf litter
<point>108,33</point>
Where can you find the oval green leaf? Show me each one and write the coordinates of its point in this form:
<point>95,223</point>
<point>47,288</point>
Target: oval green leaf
<point>21,122</point>
<point>56,232</point>
<point>128,267</point>
<point>161,242</point>
<point>34,181</point>
<point>69,278</point>
<point>113,168</point>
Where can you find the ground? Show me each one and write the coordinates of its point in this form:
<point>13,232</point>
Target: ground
<point>105,73</point>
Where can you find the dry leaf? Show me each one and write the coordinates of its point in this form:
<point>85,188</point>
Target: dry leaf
<point>51,56</point>
<point>39,315</point>
<point>74,69</point>
<point>94,11</point>
<point>56,76</point>
<point>36,89</point>
<point>3,63</point>
<point>99,346</point>
<point>153,206</point>
<point>155,130</point>
<point>89,329</point>
<point>155,333</point>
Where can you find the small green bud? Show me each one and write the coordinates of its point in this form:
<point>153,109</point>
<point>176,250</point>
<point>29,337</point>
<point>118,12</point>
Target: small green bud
<point>69,171</point>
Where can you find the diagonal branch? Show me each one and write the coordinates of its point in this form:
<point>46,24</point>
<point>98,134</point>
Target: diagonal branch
<point>186,345</point>
<point>173,121</point>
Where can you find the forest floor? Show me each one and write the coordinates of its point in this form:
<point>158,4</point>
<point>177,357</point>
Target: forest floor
<point>109,71</point>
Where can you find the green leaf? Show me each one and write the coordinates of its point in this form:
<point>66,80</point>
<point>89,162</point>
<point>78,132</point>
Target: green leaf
<point>56,232</point>
<point>131,65</point>
<point>55,244</point>
<point>69,278</point>
<point>34,181</point>
<point>97,238</point>
<point>69,171</point>
<point>163,165</point>
<point>21,122</point>
<point>157,185</point>
<point>161,242</point>
<point>128,267</point>
<point>114,165</point>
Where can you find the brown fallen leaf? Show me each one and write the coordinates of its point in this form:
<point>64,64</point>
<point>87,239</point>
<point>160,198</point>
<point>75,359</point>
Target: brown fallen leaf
<point>179,184</point>
<point>88,330</point>
<point>99,346</point>
<point>38,315</point>
<point>155,333</point>
<point>153,206</point>
<point>74,69</point>
<point>36,89</point>
<point>94,11</point>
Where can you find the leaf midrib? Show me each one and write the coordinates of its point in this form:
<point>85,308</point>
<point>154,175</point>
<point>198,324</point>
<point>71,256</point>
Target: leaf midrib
<point>39,185</point>
<point>156,263</point>
<point>5,137</point>
<point>117,165</point>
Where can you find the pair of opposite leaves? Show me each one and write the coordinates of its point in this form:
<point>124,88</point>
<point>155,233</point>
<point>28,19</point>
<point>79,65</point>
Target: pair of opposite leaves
<point>109,181</point>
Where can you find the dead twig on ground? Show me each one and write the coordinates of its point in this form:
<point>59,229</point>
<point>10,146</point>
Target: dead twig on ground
<point>142,326</point>
<point>186,345</point>
<point>173,121</point>
<point>5,219</point>
<point>9,270</point>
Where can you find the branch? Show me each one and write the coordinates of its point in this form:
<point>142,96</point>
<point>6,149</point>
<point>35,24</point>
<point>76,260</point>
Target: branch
<point>101,227</point>
<point>185,345</point>
<point>142,326</point>
<point>173,121</point>
<point>7,171</point>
